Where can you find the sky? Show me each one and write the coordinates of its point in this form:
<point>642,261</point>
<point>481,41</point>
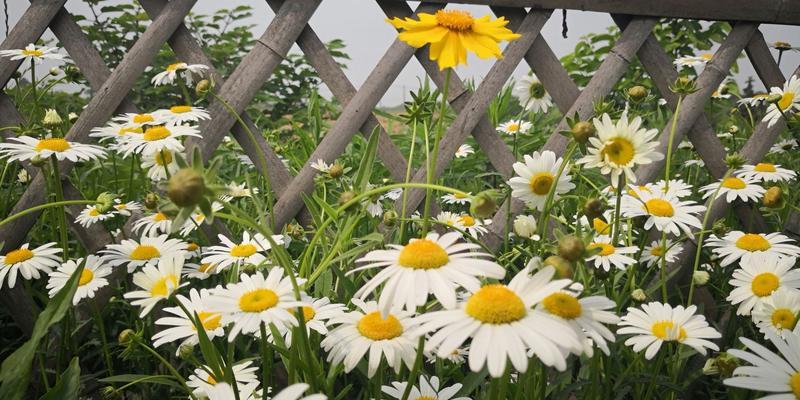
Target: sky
<point>360,24</point>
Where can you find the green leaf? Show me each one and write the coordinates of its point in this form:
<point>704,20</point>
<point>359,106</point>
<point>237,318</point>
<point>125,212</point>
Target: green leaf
<point>16,368</point>
<point>365,168</point>
<point>69,384</point>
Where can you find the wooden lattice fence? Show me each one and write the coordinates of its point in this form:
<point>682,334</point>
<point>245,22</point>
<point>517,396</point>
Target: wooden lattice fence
<point>636,20</point>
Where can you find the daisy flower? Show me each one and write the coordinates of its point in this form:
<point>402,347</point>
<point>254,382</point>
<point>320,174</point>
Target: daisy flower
<point>652,254</point>
<point>248,251</point>
<point>321,166</point>
<point>667,213</point>
<point>179,326</point>
<point>736,245</point>
<point>178,115</point>
<point>531,94</point>
<point>147,251</point>
<point>770,372</point>
<point>619,147</point>
<point>451,33</point>
<point>722,91</point>
<point>693,61</point>
<point>757,278</point>
<point>448,218</point>
<point>610,254</point>
<point>158,138</point>
<point>436,264</point>
<point>458,356</point>
<point>316,314</point>
<point>90,216</point>
<point>202,382</point>
<point>503,325</point>
<point>464,150</point>
<point>789,101</point>
<point>782,146</point>
<point>235,191</point>
<point>766,172</point>
<point>457,198</point>
<point>118,132</point>
<point>732,188</point>
<point>34,53</point>
<point>93,277</point>
<point>156,284</point>
<point>778,312</point>
<point>657,323</point>
<point>28,262</point>
<point>126,209</point>
<point>28,147</point>
<point>199,271</point>
<point>138,121</point>
<point>295,392</point>
<point>153,224</point>
<point>514,127</point>
<point>155,163</point>
<point>475,227</point>
<point>676,188</point>
<point>756,100</point>
<point>585,316</point>
<point>188,71</point>
<point>364,332</point>
<point>536,177</point>
<point>256,300</point>
<point>428,389</point>
<point>197,218</point>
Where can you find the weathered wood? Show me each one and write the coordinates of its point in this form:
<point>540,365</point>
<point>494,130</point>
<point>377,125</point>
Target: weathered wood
<point>34,23</point>
<point>766,11</point>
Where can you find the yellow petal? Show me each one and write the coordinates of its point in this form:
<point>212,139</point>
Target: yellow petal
<point>482,46</point>
<point>420,37</point>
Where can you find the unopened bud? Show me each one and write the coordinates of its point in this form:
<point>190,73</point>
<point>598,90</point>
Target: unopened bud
<point>186,351</point>
<point>38,161</point>
<point>774,98</point>
<point>151,201</point>
<point>562,266</point>
<point>773,198</point>
<point>186,187</point>
<point>202,87</point>
<point>126,336</point>
<point>582,131</point>
<point>51,118</point>
<point>336,170</point>
<point>639,295</point>
<point>733,129</point>
<point>719,228</point>
<point>55,71</point>
<point>525,226</point>
<point>483,205</point>
<point>294,231</point>
<point>571,248</point>
<point>110,393</point>
<point>345,197</point>
<point>684,86</point>
<point>700,278</point>
<point>593,208</point>
<point>637,93</point>
<point>735,160</point>
<point>105,202</point>
<point>390,218</point>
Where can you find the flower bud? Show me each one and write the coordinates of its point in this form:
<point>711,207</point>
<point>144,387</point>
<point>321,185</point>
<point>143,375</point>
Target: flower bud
<point>202,87</point>
<point>126,336</point>
<point>278,149</point>
<point>38,161</point>
<point>248,268</point>
<point>186,351</point>
<point>684,86</point>
<point>110,393</point>
<point>186,187</point>
<point>105,202</point>
<point>295,231</point>
<point>719,228</point>
<point>726,364</point>
<point>55,71</point>
<point>483,205</point>
<point>700,278</point>
<point>336,170</point>
<point>23,176</point>
<point>639,295</point>
<point>390,218</point>
<point>345,197</point>
<point>593,208</point>
<point>733,129</point>
<point>735,160</point>
<point>571,248</point>
<point>563,267</point>
<point>637,93</point>
<point>525,226</point>
<point>151,201</point>
<point>582,131</point>
<point>773,198</point>
<point>51,118</point>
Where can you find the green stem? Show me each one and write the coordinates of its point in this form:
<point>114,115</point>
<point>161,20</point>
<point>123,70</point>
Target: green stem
<point>412,377</point>
<point>62,215</point>
<point>170,368</point>
<point>663,263</point>
<point>617,206</point>
<point>407,180</point>
<point>669,143</point>
<point>431,170</point>
<point>545,214</point>
<point>98,320</point>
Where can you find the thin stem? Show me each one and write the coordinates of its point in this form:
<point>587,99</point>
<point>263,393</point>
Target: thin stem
<point>98,320</point>
<point>45,206</point>
<point>431,170</point>
<point>170,368</point>
<point>62,215</point>
<point>669,143</point>
<point>412,377</point>
<point>544,215</point>
<point>620,187</point>
<point>407,180</point>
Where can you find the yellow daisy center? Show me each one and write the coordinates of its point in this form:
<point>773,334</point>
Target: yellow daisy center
<point>156,133</point>
<point>258,300</point>
<point>460,195</point>
<point>541,183</point>
<point>601,226</point>
<point>786,100</point>
<point>164,157</point>
<point>17,256</point>
<point>423,254</point>
<point>211,380</point>
<point>32,53</point>
<point>657,251</point>
<point>145,252</point>
<point>665,330</point>
<point>734,183</point>
<point>210,321</point>
<point>129,129</point>
<point>86,276</point>
<point>425,398</point>
<point>175,66</point>
<point>180,109</point>
<point>707,56</point>
<point>618,150</point>
<point>160,217</point>
<point>496,304</point>
<point>784,318</point>
<point>753,242</point>
<point>794,383</point>
<point>205,267</point>
<point>455,20</point>
<point>243,250</point>
<point>161,288</point>
<point>563,305</point>
<point>467,220</point>
<point>374,327</point>
<point>192,246</point>
<point>308,313</point>
<point>54,144</point>
<point>659,208</point>
<point>605,248</point>
<point>764,284</point>
<point>142,118</point>
<point>764,167</point>
<point>93,212</point>
<point>512,127</point>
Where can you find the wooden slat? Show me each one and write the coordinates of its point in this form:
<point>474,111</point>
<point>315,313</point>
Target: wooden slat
<point>31,26</point>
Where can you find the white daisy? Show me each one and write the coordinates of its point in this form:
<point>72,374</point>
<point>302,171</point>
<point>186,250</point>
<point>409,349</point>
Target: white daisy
<point>503,325</point>
<point>667,213</point>
<point>246,377</point>
<point>295,392</point>
<point>514,127</point>
<point>235,191</point>
<point>29,263</point>
<point>782,146</point>
<point>531,94</point>
<point>448,218</point>
<point>457,198</point>
<point>153,224</point>
<point>188,71</point>
<point>789,101</point>
<point>248,251</point>
<point>770,372</point>
<point>180,326</point>
<point>610,254</point>
<point>28,147</point>
<point>92,277</point>
<point>321,166</point>
<point>158,138</point>
<point>156,284</point>
<point>178,115</point>
<point>138,121</point>
<point>536,176</point>
<point>427,390</point>
<point>199,271</point>
<point>652,254</point>
<point>619,147</point>
<point>316,314</point>
<point>475,227</point>
<point>197,218</point>
<point>34,53</point>
<point>766,172</point>
<point>464,150</point>
<point>722,91</point>
<point>732,188</point>
<point>694,61</point>
<point>657,323</point>
<point>154,165</point>
<point>694,163</point>
<point>676,188</point>
<point>758,278</point>
<point>436,264</point>
<point>126,209</point>
<point>117,132</point>
<point>90,216</point>
<point>147,251</point>
<point>256,300</point>
<point>756,100</point>
<point>585,316</point>
<point>778,312</point>
<point>736,245</point>
<point>364,332</point>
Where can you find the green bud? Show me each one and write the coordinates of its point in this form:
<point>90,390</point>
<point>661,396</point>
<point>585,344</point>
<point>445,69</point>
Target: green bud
<point>639,295</point>
<point>562,266</point>
<point>571,248</point>
<point>735,160</point>
<point>151,201</point>
<point>719,228</point>
<point>336,170</point>
<point>186,187</point>
<point>186,351</point>
<point>593,208</point>
<point>106,202</point>
<point>295,231</point>
<point>483,205</point>
<point>582,131</point>
<point>390,218</point>
<point>637,93</point>
<point>126,336</point>
<point>345,197</point>
<point>774,98</point>
<point>202,87</point>
<point>773,198</point>
<point>38,161</point>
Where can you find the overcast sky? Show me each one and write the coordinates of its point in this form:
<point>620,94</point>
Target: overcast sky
<point>360,23</point>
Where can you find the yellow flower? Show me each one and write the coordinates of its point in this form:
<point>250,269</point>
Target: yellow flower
<point>451,33</point>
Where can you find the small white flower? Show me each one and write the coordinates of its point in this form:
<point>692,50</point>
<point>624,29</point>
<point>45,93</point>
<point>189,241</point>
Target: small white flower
<point>90,216</point>
<point>28,147</point>
<point>249,251</point>
<point>732,188</point>
<point>156,284</point>
<point>789,101</point>
<point>34,53</point>
<point>766,172</point>
<point>188,71</point>
<point>531,94</point>
<point>694,61</point>
<point>321,166</point>
<point>178,115</point>
<point>93,277</point>
<point>29,263</point>
<point>758,279</point>
<point>536,176</point>
<point>514,127</point>
<point>457,198</point>
<point>464,150</point>
<point>610,255</point>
